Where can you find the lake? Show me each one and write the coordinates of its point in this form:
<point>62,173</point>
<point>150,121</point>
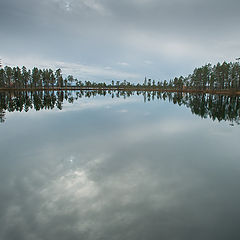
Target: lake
<point>131,166</point>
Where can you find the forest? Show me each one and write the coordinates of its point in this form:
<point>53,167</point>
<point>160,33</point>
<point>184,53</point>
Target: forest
<point>23,89</point>
<point>215,107</point>
<point>222,76</point>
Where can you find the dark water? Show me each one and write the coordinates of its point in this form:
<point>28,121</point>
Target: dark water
<point>115,168</point>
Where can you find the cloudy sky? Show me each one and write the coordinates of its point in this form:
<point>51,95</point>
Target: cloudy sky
<point>127,39</point>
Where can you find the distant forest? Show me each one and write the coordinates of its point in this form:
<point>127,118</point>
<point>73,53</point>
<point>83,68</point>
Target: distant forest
<point>225,76</point>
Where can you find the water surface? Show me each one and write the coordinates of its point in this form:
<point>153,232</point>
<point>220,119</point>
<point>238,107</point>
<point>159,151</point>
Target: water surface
<point>115,168</point>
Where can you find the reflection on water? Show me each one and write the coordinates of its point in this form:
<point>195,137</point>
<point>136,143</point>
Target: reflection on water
<point>119,169</point>
<point>218,107</point>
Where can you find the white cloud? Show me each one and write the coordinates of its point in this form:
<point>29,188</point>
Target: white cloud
<point>167,46</point>
<point>167,128</point>
<point>68,6</point>
<point>108,68</point>
<point>78,105</point>
<point>95,5</point>
<point>123,111</point>
<point>98,103</point>
<point>82,5</point>
<point>124,64</point>
<point>81,70</point>
<point>85,72</point>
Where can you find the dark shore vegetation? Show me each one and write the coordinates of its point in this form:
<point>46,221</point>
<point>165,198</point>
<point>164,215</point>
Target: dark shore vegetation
<point>219,79</point>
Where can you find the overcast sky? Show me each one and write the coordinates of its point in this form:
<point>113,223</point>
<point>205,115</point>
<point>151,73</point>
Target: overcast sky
<point>127,39</point>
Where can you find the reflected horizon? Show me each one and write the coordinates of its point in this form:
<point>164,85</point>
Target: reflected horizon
<point>215,107</point>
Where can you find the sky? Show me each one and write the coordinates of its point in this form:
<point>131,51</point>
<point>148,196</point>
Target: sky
<point>104,40</point>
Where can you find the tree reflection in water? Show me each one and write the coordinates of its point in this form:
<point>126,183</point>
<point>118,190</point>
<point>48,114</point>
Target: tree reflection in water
<point>215,107</point>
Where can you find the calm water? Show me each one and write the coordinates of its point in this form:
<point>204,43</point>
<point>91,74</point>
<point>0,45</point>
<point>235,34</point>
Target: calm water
<point>115,168</point>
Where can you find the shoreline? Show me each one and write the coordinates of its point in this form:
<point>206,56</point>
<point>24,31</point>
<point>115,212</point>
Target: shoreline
<point>148,89</point>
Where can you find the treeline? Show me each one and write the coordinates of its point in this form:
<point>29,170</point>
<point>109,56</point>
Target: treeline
<point>216,107</point>
<point>21,78</point>
<point>220,76</point>
<point>225,76</point>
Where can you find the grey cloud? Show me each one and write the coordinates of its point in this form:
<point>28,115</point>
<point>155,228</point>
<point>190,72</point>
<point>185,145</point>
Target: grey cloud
<point>155,15</point>
<point>107,32</point>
